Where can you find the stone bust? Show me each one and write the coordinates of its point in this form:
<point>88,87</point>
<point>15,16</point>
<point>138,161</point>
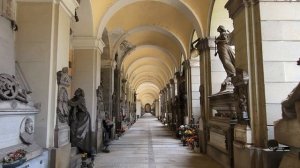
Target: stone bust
<point>26,135</point>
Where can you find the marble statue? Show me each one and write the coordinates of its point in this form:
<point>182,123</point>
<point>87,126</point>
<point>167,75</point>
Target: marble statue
<point>80,122</point>
<point>63,81</point>
<point>226,53</point>
<point>26,135</point>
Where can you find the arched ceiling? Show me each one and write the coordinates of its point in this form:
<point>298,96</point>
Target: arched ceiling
<point>160,30</point>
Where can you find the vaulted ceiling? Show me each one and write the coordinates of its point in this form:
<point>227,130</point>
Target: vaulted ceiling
<point>160,30</point>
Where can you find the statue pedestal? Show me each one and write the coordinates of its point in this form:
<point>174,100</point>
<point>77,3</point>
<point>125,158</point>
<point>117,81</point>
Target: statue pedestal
<point>99,137</point>
<point>287,132</point>
<point>60,157</point>
<point>291,159</point>
<point>61,135</point>
<point>220,127</point>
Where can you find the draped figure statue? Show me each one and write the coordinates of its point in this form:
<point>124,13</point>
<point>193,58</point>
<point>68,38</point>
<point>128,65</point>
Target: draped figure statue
<point>226,53</point>
<point>80,122</point>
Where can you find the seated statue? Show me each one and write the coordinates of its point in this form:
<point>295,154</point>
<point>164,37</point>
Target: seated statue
<point>80,122</point>
<point>289,110</point>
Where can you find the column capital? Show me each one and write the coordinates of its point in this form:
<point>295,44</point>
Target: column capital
<point>172,81</point>
<point>108,63</point>
<point>88,43</point>
<point>207,43</point>
<point>235,6</point>
<point>186,64</point>
<point>177,75</point>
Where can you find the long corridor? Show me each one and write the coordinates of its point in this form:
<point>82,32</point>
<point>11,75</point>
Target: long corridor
<point>149,144</point>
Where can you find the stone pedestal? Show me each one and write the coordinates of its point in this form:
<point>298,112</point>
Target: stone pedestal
<point>287,130</point>
<point>60,157</point>
<point>291,159</point>
<point>62,135</point>
<point>99,137</point>
<point>220,127</point>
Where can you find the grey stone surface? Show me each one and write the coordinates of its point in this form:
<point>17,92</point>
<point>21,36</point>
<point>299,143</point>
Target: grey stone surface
<point>149,144</point>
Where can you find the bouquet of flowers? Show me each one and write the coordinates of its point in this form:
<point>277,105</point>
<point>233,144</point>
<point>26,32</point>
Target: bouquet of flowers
<point>14,159</point>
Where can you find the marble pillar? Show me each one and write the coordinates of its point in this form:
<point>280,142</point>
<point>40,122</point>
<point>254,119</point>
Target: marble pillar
<point>206,47</point>
<point>87,76</point>
<point>195,84</point>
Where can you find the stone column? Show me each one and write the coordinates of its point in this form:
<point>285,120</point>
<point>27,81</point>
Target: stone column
<point>248,43</point>
<point>138,108</point>
<point>195,83</point>
<point>249,57</point>
<point>188,91</point>
<point>206,48</point>
<point>157,108</point>
<point>87,76</point>
<point>107,77</point>
<point>117,111</point>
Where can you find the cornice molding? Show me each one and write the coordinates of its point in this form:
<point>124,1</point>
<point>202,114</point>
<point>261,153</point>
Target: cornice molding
<point>88,43</point>
<point>235,6</point>
<point>68,5</point>
<point>108,63</point>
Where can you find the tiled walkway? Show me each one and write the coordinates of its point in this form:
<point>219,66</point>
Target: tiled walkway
<point>148,144</point>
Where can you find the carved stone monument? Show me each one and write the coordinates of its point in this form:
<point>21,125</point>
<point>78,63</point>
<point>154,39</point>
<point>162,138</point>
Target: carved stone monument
<point>62,151</point>
<point>287,130</point>
<point>62,129</point>
<point>17,120</point>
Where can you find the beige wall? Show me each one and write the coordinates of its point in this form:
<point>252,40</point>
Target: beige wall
<point>7,46</point>
<point>42,48</point>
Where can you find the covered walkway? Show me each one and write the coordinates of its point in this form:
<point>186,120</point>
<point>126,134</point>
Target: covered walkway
<point>149,144</point>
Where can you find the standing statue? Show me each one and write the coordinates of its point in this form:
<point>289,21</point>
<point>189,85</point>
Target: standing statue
<point>63,82</point>
<point>80,122</point>
<point>226,54</point>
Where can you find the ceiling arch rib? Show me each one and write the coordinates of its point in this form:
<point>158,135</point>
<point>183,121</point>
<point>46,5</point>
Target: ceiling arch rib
<point>179,5</point>
<point>142,80</point>
<point>156,51</point>
<point>170,18</point>
<point>147,85</point>
<point>142,72</point>
<point>141,35</point>
<point>149,62</point>
<point>159,71</point>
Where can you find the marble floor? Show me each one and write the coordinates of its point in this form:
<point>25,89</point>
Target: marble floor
<point>149,144</point>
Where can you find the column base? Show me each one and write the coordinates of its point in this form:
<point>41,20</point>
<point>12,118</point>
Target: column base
<point>60,157</point>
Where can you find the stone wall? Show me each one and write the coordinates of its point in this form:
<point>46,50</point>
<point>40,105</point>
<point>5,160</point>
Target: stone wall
<point>280,29</point>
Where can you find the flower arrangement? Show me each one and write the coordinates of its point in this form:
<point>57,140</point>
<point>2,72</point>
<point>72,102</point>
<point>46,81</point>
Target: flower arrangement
<point>14,159</point>
<point>189,136</point>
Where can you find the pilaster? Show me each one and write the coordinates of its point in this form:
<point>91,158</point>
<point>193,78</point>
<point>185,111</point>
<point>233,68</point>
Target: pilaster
<point>247,29</point>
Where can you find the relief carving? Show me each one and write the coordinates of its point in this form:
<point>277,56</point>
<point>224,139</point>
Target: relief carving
<point>11,90</point>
